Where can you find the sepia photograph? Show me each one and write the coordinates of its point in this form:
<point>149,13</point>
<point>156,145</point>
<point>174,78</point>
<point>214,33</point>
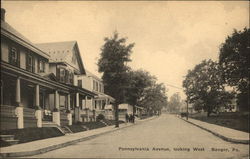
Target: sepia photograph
<point>125,79</point>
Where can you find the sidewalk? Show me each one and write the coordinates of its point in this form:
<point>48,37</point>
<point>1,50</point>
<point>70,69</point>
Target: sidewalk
<point>45,145</point>
<point>224,133</point>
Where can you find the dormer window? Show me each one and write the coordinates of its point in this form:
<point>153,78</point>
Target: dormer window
<point>62,75</point>
<point>71,77</point>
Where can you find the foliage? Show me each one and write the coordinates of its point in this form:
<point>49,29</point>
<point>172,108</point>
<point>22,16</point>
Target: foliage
<point>114,56</point>
<point>203,86</point>
<point>174,103</point>
<point>154,97</point>
<point>137,81</point>
<point>113,64</point>
<point>234,60</point>
<point>100,117</point>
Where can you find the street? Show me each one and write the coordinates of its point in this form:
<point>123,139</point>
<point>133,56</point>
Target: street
<point>163,137</point>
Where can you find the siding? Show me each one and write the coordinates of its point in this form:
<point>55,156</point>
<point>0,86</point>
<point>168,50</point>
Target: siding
<point>22,59</point>
<point>4,51</point>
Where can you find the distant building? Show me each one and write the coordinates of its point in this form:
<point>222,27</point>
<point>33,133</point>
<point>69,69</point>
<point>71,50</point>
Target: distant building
<point>98,104</point>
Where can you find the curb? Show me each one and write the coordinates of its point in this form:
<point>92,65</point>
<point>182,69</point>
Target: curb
<point>219,135</point>
<point>58,146</point>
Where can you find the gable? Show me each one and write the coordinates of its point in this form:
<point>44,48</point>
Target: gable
<point>67,52</point>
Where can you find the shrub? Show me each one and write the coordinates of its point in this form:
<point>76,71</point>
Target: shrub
<point>100,117</point>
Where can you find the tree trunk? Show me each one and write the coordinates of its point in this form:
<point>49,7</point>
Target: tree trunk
<point>116,115</point>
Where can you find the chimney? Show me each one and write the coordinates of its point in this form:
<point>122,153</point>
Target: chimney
<point>2,14</point>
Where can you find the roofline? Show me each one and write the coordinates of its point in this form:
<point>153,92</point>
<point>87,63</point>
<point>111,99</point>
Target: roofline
<point>80,59</point>
<point>15,38</point>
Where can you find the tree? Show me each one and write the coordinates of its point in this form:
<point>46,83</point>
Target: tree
<point>138,80</point>
<point>113,64</point>
<point>174,103</point>
<point>154,98</point>
<point>234,59</point>
<point>203,85</point>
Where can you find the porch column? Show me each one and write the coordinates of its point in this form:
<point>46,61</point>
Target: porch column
<point>56,100</point>
<point>69,102</point>
<point>38,112</point>
<point>56,113</point>
<point>86,98</point>
<point>77,99</point>
<point>19,108</point>
<point>77,109</point>
<point>69,115</point>
<point>18,92</point>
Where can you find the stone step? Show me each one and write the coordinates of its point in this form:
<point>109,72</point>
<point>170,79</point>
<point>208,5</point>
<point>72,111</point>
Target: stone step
<point>66,130</point>
<point>7,137</point>
<point>12,142</point>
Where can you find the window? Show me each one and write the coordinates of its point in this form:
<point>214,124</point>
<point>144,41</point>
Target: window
<point>30,63</point>
<point>71,77</point>
<point>100,87</point>
<point>62,75</point>
<point>41,66</point>
<point>62,102</point>
<point>14,56</point>
<point>96,86</point>
<point>79,83</point>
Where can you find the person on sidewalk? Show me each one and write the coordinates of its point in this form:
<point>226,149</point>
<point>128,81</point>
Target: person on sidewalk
<point>127,118</point>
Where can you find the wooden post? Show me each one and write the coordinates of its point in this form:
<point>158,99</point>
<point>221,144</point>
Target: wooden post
<point>18,92</point>
<point>69,102</point>
<point>37,96</point>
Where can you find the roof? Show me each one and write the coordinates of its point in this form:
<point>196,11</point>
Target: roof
<point>92,75</point>
<point>124,106</point>
<point>104,96</point>
<point>14,35</point>
<point>108,106</point>
<point>59,51</point>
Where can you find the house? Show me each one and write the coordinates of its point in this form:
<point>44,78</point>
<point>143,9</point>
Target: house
<point>97,105</point>
<point>66,63</point>
<point>35,89</point>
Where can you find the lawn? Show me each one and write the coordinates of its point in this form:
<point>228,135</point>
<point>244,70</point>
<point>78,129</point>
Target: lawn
<point>238,121</point>
<point>32,134</point>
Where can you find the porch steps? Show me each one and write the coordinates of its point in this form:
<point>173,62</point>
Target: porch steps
<point>66,130</point>
<point>9,139</point>
<point>63,129</point>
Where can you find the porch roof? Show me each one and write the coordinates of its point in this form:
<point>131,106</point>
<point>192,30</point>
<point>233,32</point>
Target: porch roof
<point>104,96</point>
<point>14,71</point>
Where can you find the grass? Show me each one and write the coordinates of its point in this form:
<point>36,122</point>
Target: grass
<point>81,126</point>
<point>112,122</point>
<point>75,128</point>
<point>235,121</point>
<point>32,134</point>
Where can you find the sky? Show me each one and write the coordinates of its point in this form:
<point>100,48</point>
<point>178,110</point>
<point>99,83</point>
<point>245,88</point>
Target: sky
<point>170,37</point>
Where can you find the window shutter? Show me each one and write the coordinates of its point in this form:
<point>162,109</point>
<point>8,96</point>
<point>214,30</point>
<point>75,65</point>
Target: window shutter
<point>58,73</point>
<point>27,59</point>
<point>33,64</point>
<point>38,65</point>
<point>10,54</point>
<point>66,76</point>
<point>72,78</point>
<point>18,57</point>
